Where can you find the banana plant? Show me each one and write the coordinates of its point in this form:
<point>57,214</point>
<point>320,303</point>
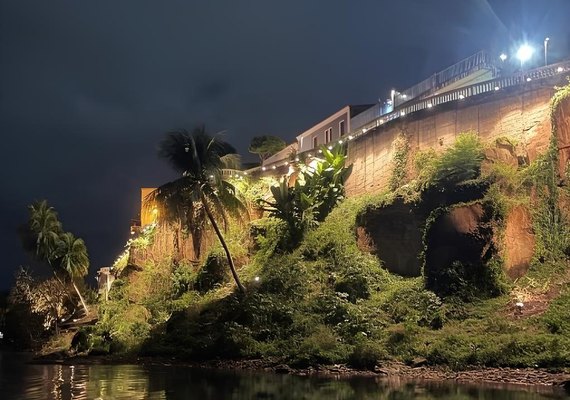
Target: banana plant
<point>317,190</point>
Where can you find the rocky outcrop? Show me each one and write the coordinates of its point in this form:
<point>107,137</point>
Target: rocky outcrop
<point>518,242</point>
<point>562,119</point>
<point>394,235</point>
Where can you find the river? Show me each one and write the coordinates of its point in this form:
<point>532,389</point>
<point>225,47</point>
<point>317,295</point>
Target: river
<point>21,380</point>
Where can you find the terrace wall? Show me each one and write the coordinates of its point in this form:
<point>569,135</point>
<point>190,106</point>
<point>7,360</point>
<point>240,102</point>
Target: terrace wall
<point>521,113</point>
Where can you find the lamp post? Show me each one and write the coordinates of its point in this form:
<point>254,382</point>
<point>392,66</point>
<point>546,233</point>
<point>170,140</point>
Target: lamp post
<point>546,50</point>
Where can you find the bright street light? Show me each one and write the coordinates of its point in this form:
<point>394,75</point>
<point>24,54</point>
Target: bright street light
<point>503,56</point>
<point>524,53</point>
<point>546,50</point>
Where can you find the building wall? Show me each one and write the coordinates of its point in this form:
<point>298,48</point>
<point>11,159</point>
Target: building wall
<point>306,139</point>
<point>522,113</point>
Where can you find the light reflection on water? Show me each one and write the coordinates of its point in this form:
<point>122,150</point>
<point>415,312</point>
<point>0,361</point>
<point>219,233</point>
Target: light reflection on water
<point>19,380</point>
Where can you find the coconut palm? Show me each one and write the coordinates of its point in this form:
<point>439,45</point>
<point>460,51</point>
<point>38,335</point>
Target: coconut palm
<point>73,259</point>
<point>62,251</point>
<point>201,194</point>
<point>43,223</point>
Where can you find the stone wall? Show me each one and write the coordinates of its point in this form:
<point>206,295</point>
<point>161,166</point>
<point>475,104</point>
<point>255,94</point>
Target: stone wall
<point>520,113</point>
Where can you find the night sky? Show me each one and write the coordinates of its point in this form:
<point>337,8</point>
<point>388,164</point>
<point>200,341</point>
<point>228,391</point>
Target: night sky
<point>88,88</point>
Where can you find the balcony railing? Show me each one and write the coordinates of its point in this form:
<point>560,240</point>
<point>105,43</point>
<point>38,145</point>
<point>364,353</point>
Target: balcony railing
<point>493,85</point>
<point>428,86</point>
<point>446,77</point>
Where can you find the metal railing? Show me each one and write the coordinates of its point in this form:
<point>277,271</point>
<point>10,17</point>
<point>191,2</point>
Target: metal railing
<point>228,172</point>
<point>467,91</point>
<point>446,77</point>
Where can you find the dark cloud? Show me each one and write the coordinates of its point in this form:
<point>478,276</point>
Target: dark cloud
<point>87,89</point>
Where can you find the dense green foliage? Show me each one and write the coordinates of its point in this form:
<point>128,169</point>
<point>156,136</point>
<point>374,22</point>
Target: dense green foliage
<point>313,295</point>
<point>318,188</point>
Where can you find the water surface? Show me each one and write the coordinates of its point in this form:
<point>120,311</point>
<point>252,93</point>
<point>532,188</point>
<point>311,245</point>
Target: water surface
<point>20,380</point>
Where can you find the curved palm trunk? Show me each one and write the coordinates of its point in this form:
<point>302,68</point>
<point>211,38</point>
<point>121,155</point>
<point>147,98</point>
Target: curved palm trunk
<point>222,241</point>
<point>80,298</point>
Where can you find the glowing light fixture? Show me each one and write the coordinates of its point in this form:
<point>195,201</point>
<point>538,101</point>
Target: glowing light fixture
<point>330,148</point>
<point>320,151</point>
<point>503,57</point>
<point>263,168</point>
<point>559,69</point>
<point>350,137</point>
<point>429,105</point>
<point>340,141</point>
<point>274,167</point>
<point>497,88</point>
<point>529,79</point>
<point>402,113</point>
<point>461,97</point>
<point>363,130</point>
<point>524,53</point>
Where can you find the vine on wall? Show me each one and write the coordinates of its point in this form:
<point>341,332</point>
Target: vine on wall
<point>401,155</point>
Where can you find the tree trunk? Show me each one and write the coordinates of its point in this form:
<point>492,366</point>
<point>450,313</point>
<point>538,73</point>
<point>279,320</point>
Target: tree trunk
<point>80,298</point>
<point>223,242</point>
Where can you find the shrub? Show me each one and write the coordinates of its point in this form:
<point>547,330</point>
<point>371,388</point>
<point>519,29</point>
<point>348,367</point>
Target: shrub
<point>271,236</point>
<point>425,165</point>
<point>322,346</point>
<point>401,341</point>
<point>213,273</point>
<point>461,162</point>
<point>366,353</point>
<point>557,317</point>
<point>415,305</point>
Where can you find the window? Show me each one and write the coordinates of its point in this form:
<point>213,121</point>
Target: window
<point>341,128</point>
<point>315,142</point>
<point>328,135</point>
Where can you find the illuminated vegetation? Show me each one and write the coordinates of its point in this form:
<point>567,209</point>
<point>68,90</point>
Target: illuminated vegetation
<point>312,294</point>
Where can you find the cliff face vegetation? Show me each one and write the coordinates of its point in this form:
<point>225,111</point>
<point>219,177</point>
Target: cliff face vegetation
<point>463,262</point>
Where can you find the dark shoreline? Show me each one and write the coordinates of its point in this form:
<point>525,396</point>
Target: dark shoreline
<point>490,376</point>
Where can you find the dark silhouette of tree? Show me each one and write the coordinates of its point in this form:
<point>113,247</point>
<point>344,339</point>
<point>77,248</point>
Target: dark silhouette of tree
<point>266,145</point>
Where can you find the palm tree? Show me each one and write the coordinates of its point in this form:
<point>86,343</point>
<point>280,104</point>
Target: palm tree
<point>73,259</point>
<point>62,251</point>
<point>200,194</point>
<point>46,228</point>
